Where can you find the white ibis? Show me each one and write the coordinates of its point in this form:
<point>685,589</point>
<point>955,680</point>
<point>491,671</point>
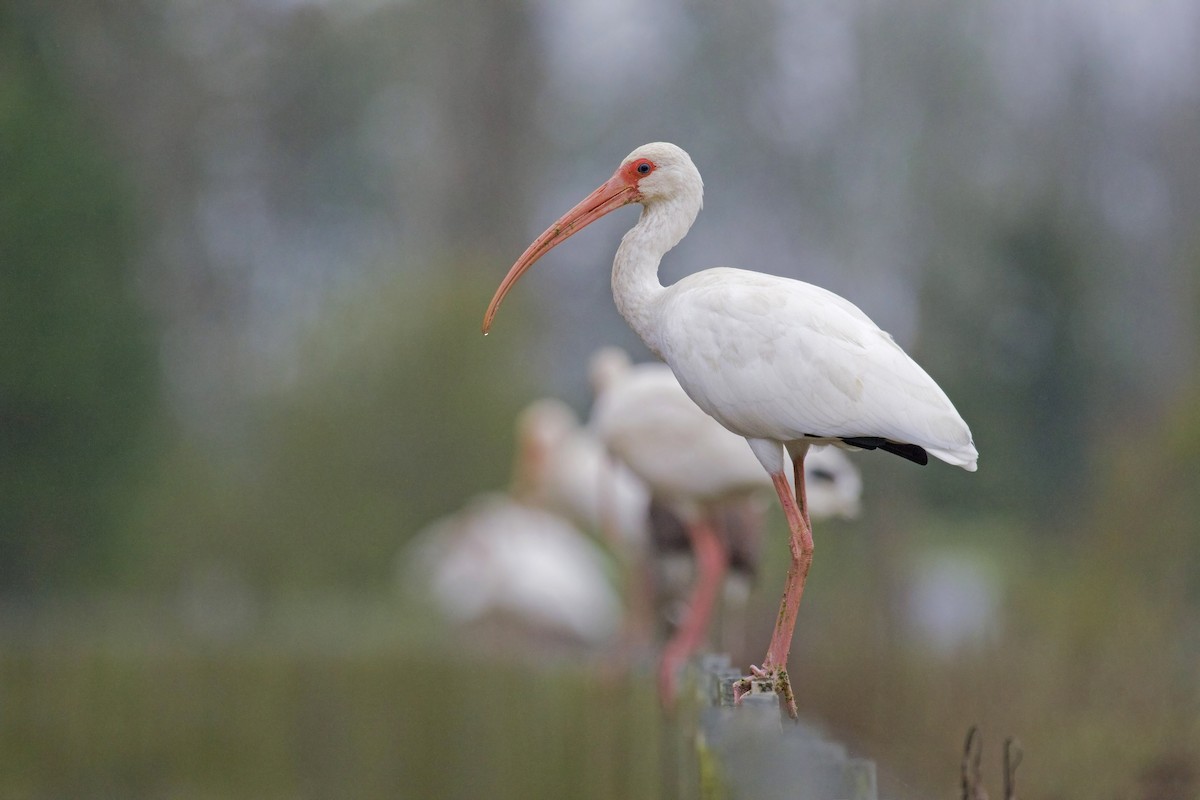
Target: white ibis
<point>563,467</point>
<point>705,474</point>
<point>781,362</point>
<point>500,559</point>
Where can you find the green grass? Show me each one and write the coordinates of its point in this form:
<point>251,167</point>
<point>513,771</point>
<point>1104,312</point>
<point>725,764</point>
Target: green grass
<point>104,718</point>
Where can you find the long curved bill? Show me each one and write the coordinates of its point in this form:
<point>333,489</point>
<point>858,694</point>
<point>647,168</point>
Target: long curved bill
<point>613,194</point>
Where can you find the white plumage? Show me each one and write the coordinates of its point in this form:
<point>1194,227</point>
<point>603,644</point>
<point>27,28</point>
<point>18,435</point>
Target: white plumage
<point>797,362</point>
<point>497,558</point>
<point>561,466</point>
<point>643,416</point>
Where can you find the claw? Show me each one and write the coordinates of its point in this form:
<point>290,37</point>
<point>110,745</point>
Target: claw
<point>744,686</point>
<point>781,684</point>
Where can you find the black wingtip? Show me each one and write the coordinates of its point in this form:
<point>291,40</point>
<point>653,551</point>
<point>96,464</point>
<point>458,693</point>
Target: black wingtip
<point>912,452</point>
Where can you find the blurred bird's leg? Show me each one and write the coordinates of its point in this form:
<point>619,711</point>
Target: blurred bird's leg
<point>710,558</point>
<point>741,525</point>
<point>610,526</point>
<point>637,583</point>
<point>637,628</point>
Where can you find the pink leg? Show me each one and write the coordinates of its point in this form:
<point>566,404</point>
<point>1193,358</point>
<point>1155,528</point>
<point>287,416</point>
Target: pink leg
<point>743,524</point>
<point>801,495</point>
<point>638,624</point>
<point>710,574</point>
<point>801,544</point>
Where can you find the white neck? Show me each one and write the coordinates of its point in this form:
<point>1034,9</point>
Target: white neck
<point>635,285</point>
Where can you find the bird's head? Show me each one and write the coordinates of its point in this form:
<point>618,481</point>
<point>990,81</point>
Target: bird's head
<point>660,171</point>
<point>654,173</point>
<point>542,427</point>
<point>607,366</point>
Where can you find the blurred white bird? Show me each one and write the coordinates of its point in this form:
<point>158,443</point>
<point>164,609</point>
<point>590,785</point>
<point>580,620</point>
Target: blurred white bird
<point>498,559</point>
<point>562,467</point>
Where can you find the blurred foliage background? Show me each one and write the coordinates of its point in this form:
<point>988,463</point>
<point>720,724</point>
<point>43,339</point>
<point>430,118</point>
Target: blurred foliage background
<point>245,247</point>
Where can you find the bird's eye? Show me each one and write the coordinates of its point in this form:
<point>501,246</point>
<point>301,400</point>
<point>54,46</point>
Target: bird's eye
<point>643,167</point>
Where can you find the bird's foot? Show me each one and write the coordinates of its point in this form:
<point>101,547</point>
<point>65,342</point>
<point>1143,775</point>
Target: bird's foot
<point>767,679</point>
